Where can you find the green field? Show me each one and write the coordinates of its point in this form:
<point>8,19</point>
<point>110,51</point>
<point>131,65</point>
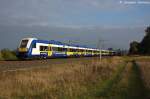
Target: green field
<point>111,78</point>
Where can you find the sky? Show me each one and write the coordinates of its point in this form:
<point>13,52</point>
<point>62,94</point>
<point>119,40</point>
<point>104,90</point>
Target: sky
<point>114,22</point>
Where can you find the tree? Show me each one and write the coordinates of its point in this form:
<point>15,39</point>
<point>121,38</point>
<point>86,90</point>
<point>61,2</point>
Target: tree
<point>134,48</point>
<point>147,31</point>
<point>145,43</point>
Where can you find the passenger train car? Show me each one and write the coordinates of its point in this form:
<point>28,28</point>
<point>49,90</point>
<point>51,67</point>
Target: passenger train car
<point>34,48</point>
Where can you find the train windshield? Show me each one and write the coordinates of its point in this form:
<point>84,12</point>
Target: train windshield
<point>24,44</point>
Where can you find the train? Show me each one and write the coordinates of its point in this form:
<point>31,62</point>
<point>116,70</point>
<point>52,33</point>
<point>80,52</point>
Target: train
<point>36,48</point>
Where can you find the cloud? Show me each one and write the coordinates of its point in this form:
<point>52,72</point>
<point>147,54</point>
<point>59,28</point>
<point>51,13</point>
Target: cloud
<point>104,4</point>
<point>51,12</point>
<point>71,19</point>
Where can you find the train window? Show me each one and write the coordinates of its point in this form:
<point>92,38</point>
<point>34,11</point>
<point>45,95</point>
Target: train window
<point>89,51</point>
<point>68,49</point>
<point>81,50</point>
<point>55,48</point>
<point>24,43</point>
<point>60,49</point>
<point>34,45</point>
<point>43,48</point>
<point>73,50</point>
<point>64,49</point>
<point>77,50</point>
<point>102,51</point>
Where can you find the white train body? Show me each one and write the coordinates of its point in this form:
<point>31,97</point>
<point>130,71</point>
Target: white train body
<point>32,47</point>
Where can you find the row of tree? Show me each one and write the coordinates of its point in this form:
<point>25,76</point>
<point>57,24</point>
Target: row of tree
<point>142,47</point>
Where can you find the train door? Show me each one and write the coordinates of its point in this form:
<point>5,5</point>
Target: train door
<point>49,50</point>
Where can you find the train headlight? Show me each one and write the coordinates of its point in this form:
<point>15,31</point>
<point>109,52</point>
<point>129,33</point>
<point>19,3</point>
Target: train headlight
<point>23,49</point>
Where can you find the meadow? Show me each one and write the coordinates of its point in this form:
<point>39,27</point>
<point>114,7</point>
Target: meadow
<point>111,78</point>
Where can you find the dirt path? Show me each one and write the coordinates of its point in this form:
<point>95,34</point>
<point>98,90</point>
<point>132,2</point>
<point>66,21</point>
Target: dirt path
<point>126,84</point>
<point>145,75</point>
<point>136,85</point>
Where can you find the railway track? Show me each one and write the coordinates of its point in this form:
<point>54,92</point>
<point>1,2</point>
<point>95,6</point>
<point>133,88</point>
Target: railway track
<point>10,66</point>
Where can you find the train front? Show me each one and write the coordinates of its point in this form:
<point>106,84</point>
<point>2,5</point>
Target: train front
<point>24,49</point>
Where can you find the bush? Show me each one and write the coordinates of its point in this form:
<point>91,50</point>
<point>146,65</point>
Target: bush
<point>134,48</point>
<point>7,54</point>
<point>1,58</point>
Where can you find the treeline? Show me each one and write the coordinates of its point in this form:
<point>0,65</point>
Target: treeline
<point>6,54</point>
<point>143,47</point>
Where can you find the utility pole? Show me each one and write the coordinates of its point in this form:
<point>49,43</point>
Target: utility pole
<point>100,43</point>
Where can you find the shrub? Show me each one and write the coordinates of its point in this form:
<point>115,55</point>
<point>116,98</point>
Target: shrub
<point>1,58</point>
<point>7,54</point>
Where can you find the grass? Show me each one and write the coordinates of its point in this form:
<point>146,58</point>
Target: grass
<point>113,78</point>
<point>106,87</point>
<point>145,67</point>
<point>126,83</point>
<point>65,81</point>
<point>131,85</point>
<point>119,84</point>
